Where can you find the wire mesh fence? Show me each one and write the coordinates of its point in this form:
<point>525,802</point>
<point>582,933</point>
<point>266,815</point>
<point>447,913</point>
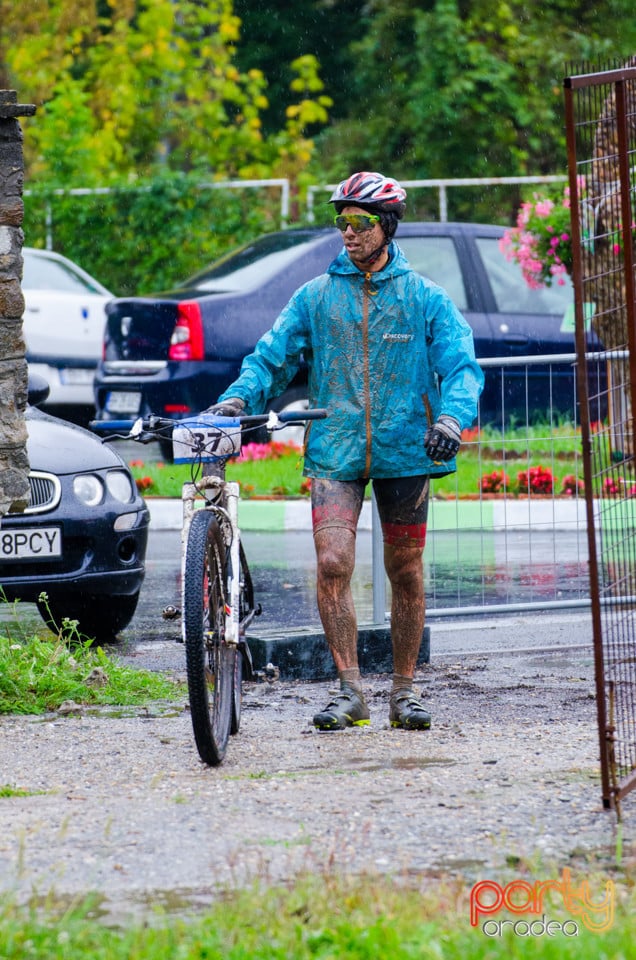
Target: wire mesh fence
<point>508,530</point>
<point>601,128</point>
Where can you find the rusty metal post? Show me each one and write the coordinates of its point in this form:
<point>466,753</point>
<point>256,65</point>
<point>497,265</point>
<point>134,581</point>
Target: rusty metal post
<point>14,466</point>
<point>584,409</point>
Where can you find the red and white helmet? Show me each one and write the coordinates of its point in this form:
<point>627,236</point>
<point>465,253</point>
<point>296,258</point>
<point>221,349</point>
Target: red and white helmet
<point>368,189</point>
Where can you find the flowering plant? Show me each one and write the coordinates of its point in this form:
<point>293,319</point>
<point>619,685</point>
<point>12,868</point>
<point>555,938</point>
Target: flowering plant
<point>541,242</point>
<point>495,482</point>
<point>536,480</point>
<point>267,451</point>
<point>572,486</point>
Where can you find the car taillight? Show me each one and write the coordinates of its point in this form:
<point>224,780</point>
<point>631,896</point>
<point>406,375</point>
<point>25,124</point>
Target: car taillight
<point>186,342</point>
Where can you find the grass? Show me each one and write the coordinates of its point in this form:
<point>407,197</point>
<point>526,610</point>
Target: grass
<point>7,790</point>
<point>319,918</point>
<point>278,475</point>
<point>38,675</point>
<point>555,448</point>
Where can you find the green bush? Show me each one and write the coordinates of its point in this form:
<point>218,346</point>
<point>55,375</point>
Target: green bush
<point>149,236</point>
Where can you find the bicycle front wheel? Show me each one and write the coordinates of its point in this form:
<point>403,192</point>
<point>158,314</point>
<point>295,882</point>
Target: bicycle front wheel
<point>210,662</point>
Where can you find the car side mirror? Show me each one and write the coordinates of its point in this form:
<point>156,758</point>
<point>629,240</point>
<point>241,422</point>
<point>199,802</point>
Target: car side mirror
<point>38,389</point>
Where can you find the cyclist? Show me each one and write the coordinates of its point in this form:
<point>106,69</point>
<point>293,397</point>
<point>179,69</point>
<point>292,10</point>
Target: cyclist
<point>392,360</point>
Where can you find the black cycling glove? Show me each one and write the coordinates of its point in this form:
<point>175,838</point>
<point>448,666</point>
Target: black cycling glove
<point>442,440</point>
<point>232,407</point>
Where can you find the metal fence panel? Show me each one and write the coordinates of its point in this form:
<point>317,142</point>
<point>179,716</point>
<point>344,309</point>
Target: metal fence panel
<point>507,532</point>
<point>601,131</point>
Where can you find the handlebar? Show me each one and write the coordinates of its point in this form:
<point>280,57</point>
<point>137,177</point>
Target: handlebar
<point>154,423</point>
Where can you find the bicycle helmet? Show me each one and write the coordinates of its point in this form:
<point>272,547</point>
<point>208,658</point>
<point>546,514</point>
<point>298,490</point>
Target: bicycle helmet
<point>370,190</point>
<point>376,193</point>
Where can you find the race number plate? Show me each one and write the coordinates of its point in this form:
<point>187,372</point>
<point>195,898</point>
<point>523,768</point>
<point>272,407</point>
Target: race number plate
<point>206,439</point>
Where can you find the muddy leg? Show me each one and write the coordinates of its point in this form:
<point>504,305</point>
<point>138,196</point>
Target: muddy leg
<point>335,551</point>
<point>404,569</point>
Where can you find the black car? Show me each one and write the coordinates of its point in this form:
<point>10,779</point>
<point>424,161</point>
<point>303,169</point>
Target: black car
<point>78,550</point>
<point>173,353</point>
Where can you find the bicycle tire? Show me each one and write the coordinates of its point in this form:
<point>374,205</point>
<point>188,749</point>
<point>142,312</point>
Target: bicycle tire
<point>208,657</point>
<point>246,605</point>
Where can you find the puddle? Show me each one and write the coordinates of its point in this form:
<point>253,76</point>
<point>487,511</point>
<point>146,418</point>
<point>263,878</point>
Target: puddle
<point>401,763</point>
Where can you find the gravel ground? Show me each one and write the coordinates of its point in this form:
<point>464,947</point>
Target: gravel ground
<point>121,804</point>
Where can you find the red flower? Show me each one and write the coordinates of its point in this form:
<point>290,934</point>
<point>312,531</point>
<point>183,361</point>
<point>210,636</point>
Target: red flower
<point>537,480</point>
<point>495,482</point>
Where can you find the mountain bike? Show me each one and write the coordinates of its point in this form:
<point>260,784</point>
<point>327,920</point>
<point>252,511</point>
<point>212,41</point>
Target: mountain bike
<point>217,594</point>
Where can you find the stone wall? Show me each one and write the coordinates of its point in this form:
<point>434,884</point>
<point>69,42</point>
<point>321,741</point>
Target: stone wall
<point>14,466</point>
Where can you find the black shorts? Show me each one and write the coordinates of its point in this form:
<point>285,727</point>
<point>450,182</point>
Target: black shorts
<point>402,505</point>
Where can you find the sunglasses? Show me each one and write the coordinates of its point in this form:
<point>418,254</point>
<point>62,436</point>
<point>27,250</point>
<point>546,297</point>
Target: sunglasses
<point>358,222</point>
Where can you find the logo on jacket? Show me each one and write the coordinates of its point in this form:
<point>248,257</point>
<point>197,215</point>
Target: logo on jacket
<point>397,337</point>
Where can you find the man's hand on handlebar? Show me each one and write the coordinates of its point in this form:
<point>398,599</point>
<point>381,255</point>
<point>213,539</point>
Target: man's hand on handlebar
<point>232,407</point>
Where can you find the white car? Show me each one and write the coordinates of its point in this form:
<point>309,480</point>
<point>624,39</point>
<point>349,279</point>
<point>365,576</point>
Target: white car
<point>64,329</point>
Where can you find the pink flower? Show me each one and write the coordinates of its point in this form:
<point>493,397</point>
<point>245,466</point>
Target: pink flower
<point>543,208</point>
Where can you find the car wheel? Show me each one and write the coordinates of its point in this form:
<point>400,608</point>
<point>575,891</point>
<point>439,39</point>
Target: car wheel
<point>99,617</point>
<point>291,400</point>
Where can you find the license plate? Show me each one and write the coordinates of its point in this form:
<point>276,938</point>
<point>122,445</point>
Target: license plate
<point>31,543</point>
<point>123,402</point>
<point>76,376</point>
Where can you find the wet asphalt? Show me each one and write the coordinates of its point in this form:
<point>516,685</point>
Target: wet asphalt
<point>283,572</point>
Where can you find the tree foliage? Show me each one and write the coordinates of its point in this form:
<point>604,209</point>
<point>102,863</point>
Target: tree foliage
<point>455,88</point>
<point>183,91</point>
<point>127,88</point>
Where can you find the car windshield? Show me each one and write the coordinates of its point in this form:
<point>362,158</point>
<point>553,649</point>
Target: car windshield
<point>254,263</point>
<point>44,273</point>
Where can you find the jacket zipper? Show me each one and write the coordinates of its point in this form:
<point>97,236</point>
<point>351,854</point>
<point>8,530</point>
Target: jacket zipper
<point>366,294</point>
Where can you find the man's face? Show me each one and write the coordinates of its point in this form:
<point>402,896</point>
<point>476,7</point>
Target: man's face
<point>360,246</point>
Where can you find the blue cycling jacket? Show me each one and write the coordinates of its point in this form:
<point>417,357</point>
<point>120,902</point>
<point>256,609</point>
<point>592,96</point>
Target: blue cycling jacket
<point>387,352</point>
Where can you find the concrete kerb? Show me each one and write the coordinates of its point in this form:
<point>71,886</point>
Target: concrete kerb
<point>278,516</point>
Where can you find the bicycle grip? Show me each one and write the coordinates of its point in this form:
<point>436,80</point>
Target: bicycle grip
<point>101,426</point>
<point>292,416</point>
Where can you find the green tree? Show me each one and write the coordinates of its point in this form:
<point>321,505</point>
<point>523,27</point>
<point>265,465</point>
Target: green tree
<point>128,88</point>
<point>458,88</point>
<point>275,35</point>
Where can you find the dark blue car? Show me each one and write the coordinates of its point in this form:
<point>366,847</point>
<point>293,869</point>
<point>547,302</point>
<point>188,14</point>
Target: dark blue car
<point>173,353</point>
<point>78,550</point>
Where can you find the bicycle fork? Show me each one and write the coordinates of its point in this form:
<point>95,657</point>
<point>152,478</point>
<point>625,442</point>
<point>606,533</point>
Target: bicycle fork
<point>209,487</point>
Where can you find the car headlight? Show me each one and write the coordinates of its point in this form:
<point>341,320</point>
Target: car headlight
<point>119,485</point>
<point>89,489</point>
